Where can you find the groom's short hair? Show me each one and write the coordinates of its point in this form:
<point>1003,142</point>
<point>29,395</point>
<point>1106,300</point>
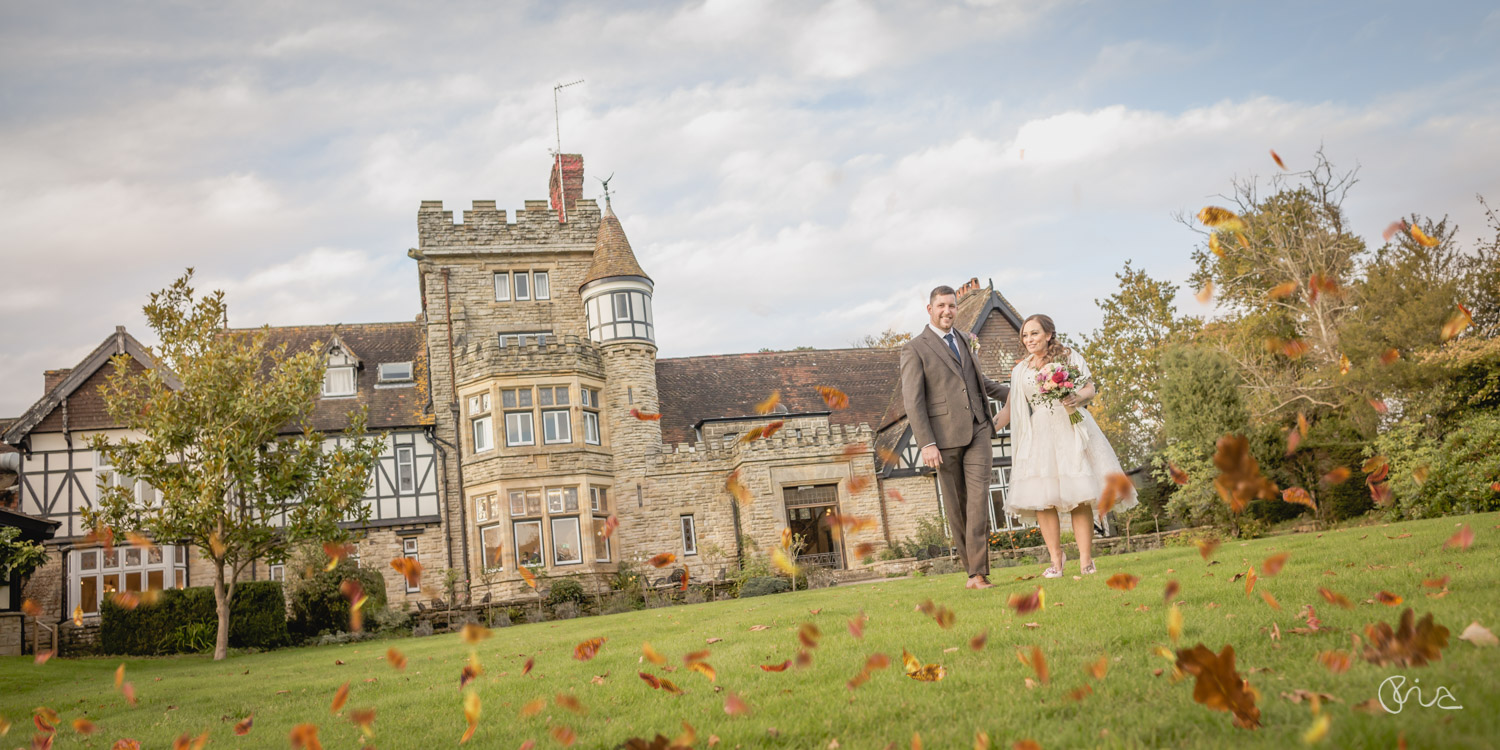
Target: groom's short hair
<point>941,291</point>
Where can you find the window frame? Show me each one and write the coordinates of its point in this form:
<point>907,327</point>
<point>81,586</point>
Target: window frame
<point>522,281</point>
<point>566,423</point>
<point>598,499</point>
<point>488,423</point>
<point>553,523</point>
<point>383,377</point>
<point>409,549</point>
<point>591,424</point>
<point>505,284</point>
<point>410,484</point>
<point>599,524</point>
<point>353,382</point>
<point>689,528</point>
<point>529,418</point>
<point>540,541</point>
<point>499,560</point>
<point>543,290</point>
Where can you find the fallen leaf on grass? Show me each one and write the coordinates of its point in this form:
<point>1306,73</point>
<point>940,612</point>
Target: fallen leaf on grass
<point>1478,635</point>
<point>921,672</point>
<point>1462,539</point>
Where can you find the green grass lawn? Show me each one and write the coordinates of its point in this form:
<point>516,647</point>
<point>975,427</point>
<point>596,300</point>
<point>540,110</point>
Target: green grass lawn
<point>421,707</point>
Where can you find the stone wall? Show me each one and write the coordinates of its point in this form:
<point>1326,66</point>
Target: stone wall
<point>12,633</point>
<point>921,502</point>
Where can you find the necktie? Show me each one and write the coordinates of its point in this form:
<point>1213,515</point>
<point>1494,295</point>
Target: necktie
<point>953,347</point>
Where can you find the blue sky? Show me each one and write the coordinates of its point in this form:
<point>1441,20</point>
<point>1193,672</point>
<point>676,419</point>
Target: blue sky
<point>790,173</point>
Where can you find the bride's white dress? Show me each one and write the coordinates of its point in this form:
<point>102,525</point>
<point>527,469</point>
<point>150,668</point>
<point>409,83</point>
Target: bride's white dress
<point>1055,464</point>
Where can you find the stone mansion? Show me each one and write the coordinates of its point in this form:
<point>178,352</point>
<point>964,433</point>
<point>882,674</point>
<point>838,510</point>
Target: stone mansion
<point>510,413</point>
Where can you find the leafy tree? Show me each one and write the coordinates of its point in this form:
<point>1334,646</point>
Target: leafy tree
<point>1479,288</point>
<point>1201,401</point>
<point>19,556</point>
<point>889,339</point>
<point>210,416</point>
<point>1124,353</point>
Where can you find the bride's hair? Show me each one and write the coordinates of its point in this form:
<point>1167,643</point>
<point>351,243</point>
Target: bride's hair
<point>1056,352</point>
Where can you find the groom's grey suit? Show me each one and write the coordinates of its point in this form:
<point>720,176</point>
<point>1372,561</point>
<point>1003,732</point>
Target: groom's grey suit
<point>945,397</point>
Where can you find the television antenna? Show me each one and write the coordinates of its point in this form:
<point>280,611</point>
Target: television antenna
<point>562,193</point>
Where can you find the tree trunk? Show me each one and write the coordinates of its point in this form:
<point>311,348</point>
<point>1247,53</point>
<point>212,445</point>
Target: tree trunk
<point>222,592</point>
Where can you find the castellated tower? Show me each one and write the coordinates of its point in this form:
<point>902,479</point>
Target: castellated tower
<point>532,393</point>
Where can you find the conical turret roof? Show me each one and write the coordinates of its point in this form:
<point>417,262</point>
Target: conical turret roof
<point>612,253</point>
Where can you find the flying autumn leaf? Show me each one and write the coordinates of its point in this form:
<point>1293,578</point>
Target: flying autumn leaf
<point>409,568</point>
<point>1219,687</point>
<point>1338,475</point>
<point>1122,581</point>
<point>765,407</point>
<point>1117,487</point>
<point>1273,564</point>
<point>977,642</point>
<point>1457,323</point>
<point>1479,635</point>
<point>645,416</point>
<point>1170,591</point>
<point>471,715</point>
<point>1392,229</point>
<point>1277,158</point>
<point>1380,492</point>
<point>1412,643</point>
<point>336,553</point>
<point>84,726</point>
<point>570,702</point>
<point>1421,236</point>
<point>610,524</point>
<point>857,625</point>
<point>243,726</point>
<point>652,655</point>
<point>1206,293</point>
<point>783,563</point>
<point>1344,365</point>
<point>1298,496</point>
<point>737,488</point>
<point>1270,600</point>
<point>782,667</point>
<point>735,705</point>
<point>863,550</point>
<point>1388,599</point>
<point>773,427</point>
<point>1221,218</point>
<point>472,633</point>
<point>533,707</point>
<point>921,672</point>
<point>1178,475</point>
<point>1389,356</point>
<point>1462,539</point>
<point>835,398</point>
<point>364,718</point>
<point>1284,289</point>
<point>1335,598</point>
<point>1239,479</point>
<point>355,594</point>
<point>704,669</point>
<point>1206,547</point>
<point>588,649</point>
<point>305,737</point>
<point>1337,662</point>
<point>396,658</point>
<point>340,697</point>
<point>1025,604</point>
<point>1037,662</point>
<point>467,675</point>
<point>1174,623</point>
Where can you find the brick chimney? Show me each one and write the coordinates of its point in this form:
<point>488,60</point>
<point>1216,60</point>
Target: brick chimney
<point>572,182</point>
<point>51,378</point>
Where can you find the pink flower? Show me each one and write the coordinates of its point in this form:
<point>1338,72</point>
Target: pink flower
<point>1068,384</point>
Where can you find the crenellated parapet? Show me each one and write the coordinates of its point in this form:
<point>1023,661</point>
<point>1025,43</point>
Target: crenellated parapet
<point>484,225</point>
<point>831,441</point>
<point>487,358</point>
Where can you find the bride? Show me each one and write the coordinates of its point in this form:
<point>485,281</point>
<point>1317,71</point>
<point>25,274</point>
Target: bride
<point>1057,465</point>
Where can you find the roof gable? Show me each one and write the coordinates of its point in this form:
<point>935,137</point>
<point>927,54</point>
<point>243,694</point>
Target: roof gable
<point>119,342</point>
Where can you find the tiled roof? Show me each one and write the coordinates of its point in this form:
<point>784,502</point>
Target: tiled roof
<point>373,343</point>
<point>693,389</point>
<point>612,253</point>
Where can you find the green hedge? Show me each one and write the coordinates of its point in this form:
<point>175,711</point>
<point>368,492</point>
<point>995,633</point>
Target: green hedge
<point>185,621</point>
<point>764,586</point>
<point>319,606</point>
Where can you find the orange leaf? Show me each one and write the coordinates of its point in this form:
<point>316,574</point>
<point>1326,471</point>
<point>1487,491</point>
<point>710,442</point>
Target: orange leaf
<point>31,608</point>
<point>411,570</point>
<point>1293,439</point>
<point>704,669</point>
<point>782,667</point>
<point>468,674</point>
<point>1379,406</point>
<point>1421,236</point>
<point>473,633</point>
<point>1178,475</point>
<point>140,540</point>
<point>737,488</point>
<point>1283,289</point>
<point>1461,539</point>
<point>1389,356</point>
<point>863,550</point>
<point>1379,474</point>
<point>770,403</point>
<point>858,483</point>
<point>1025,604</point>
<point>834,397</point>
<point>84,726</point>
<point>1122,581</point>
<point>1298,496</point>
<point>1457,323</point>
<point>1272,565</point>
<point>570,702</point>
<point>1250,579</point>
<point>1271,600</point>
<point>336,553</point>
<point>528,576</point>
<point>1337,662</point>
<point>734,705</point>
<point>773,428</point>
<point>471,715</point>
<point>1117,487</point>
<point>1099,668</point>
<point>565,736</point>
<point>1170,592</point>
<point>1436,583</point>
<point>645,416</point>
<point>783,563</point>
<point>364,718</point>
<point>1218,249</point>
<point>977,642</point>
<point>306,736</point>
<point>533,707</point>
<point>1392,229</point>
<point>1207,292</point>
<point>588,649</point>
<point>1338,476</point>
<point>396,658</point>
<point>1344,365</point>
<point>1381,494</point>
<point>922,672</point>
<point>1174,623</point>
<point>670,686</point>
<point>1388,599</point>
<point>857,625</point>
<point>1239,479</point>
<point>1219,687</point>
<point>340,697</point>
<point>610,524</point>
<point>1037,662</point>
<point>808,634</point>
<point>1335,598</point>
<point>242,727</point>
<point>1410,644</point>
<point>652,655</point>
<point>1221,218</point>
<point>1277,158</point>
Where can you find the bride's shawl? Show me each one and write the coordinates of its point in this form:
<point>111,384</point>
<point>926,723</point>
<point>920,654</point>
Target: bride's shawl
<point>1020,408</point>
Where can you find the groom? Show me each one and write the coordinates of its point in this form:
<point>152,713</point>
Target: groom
<point>945,397</point>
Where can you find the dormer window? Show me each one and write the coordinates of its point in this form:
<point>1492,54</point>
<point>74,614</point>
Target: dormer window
<point>338,381</point>
<point>395,372</point>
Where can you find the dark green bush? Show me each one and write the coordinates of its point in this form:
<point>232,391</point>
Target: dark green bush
<point>1016,538</point>
<point>178,623</point>
<point>566,590</point>
<point>763,586</point>
<point>318,606</point>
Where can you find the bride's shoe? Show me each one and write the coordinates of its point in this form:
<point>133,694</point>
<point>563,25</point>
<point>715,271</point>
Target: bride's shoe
<point>1089,569</point>
<point>1057,571</point>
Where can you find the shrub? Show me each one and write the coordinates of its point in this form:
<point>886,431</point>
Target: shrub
<point>931,532</point>
<point>1016,538</point>
<point>765,585</point>
<point>185,620</point>
<point>566,590</point>
<point>318,606</point>
<point>1456,470</point>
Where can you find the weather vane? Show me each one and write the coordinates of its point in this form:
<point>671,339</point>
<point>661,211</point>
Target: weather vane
<point>562,200</point>
<point>606,187</point>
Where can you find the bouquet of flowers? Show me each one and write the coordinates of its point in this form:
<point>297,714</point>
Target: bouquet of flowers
<point>1055,381</point>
